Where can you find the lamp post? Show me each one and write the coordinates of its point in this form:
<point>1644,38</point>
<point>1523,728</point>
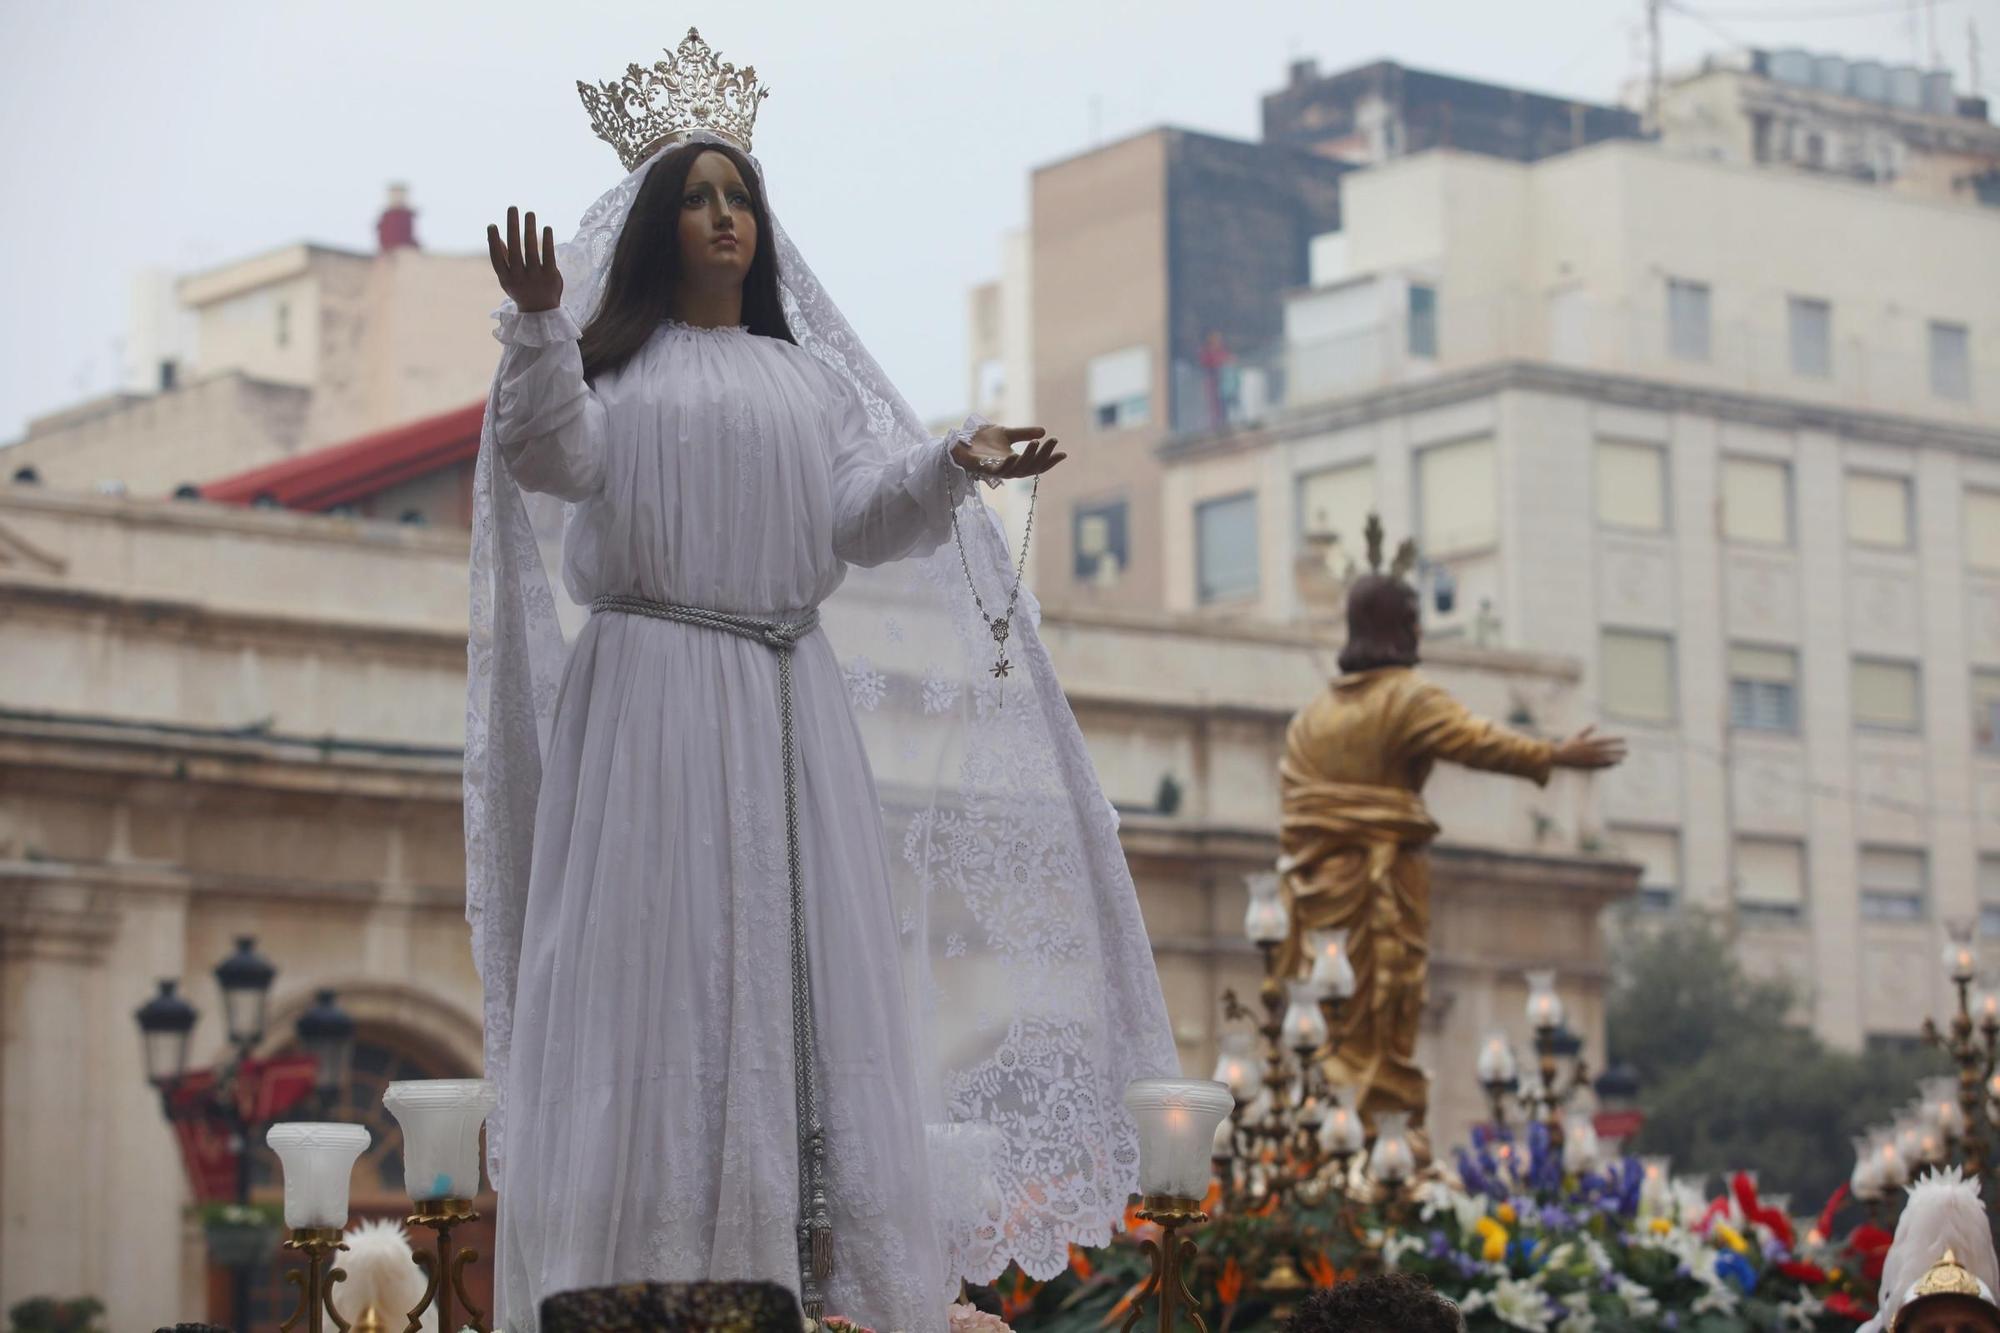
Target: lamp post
<point>230,1104</point>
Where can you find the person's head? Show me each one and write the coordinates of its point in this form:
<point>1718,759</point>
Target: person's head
<point>1380,1303</point>
<point>1382,624</point>
<point>1948,1314</point>
<point>698,224</point>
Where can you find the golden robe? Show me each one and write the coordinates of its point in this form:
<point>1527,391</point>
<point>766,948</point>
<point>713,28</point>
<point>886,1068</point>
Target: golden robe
<point>1353,833</point>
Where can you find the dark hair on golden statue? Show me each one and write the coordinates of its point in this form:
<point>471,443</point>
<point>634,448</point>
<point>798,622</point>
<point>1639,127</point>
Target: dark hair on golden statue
<point>1382,611</point>
<point>639,289</point>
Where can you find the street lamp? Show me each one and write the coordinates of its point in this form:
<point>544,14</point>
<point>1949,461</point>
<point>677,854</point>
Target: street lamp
<point>164,1024</point>
<point>245,977</point>
<point>326,1031</point>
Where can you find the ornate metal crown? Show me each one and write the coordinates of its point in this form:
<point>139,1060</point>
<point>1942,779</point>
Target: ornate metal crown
<point>1947,1277</point>
<point>693,91</point>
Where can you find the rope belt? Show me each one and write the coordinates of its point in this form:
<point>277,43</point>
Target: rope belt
<point>815,1228</point>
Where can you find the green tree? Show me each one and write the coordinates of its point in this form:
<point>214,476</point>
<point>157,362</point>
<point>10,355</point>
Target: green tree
<point>43,1314</point>
<point>1728,1078</point>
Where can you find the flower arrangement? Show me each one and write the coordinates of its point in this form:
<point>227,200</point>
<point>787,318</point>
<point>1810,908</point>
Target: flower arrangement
<point>1521,1242</point>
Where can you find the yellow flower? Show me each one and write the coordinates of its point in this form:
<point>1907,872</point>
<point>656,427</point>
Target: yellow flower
<point>1495,1248</point>
<point>1732,1238</point>
<point>1505,1212</point>
<point>1661,1225</point>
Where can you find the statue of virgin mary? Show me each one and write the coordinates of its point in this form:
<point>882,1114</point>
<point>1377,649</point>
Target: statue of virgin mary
<point>808,947</point>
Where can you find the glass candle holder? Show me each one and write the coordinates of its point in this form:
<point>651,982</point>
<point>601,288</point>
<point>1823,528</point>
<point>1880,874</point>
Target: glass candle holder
<point>1176,1119</point>
<point>1545,1007</point>
<point>1497,1064</point>
<point>1941,1106</point>
<point>1304,1027</point>
<point>1961,956</point>
<point>1392,1162</point>
<point>1265,921</point>
<point>441,1119</point>
<point>1236,1065</point>
<point>318,1163</point>
<point>1341,1132</point>
<point>1332,971</point>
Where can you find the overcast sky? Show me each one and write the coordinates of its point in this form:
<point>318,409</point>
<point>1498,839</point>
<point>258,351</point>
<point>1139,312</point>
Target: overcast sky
<point>898,137</point>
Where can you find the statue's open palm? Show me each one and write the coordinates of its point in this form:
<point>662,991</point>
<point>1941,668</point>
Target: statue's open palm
<point>527,270</point>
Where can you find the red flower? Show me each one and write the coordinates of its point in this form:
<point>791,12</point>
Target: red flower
<point>1870,1245</point>
<point>1230,1285</point>
<point>1079,1263</point>
<point>1320,1269</point>
<point>1842,1304</point>
<point>1015,1302</point>
<point>1771,1219</point>
<point>1799,1271</point>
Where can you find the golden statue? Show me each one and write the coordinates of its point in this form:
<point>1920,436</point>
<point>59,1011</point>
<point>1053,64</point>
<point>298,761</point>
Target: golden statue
<point>1354,828</point>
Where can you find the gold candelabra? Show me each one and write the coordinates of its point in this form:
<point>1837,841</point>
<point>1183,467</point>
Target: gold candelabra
<point>1972,1046</point>
<point>1170,1256</point>
<point>315,1281</point>
<point>445,1270</point>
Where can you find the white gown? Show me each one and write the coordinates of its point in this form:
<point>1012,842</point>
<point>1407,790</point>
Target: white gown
<point>650,1124</point>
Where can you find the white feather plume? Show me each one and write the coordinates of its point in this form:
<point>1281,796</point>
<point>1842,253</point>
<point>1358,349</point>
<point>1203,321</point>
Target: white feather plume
<point>381,1271</point>
<point>1943,1213</point>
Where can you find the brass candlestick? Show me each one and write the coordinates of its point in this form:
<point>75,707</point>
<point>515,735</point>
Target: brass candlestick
<point>445,1270</point>
<point>315,1281</point>
<point>1168,1280</point>
<point>1972,1048</point>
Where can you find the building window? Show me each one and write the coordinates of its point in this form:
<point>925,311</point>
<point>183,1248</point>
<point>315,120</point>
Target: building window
<point>1892,884</point>
<point>1811,326</point>
<point>1636,675</point>
<point>1989,895</point>
<point>1951,360</point>
<point>989,381</point>
<point>1878,510</point>
<point>1687,319</point>
<point>1770,878</point>
<point>1757,501</point>
<point>1336,503</point>
<point>1658,852</point>
<point>1423,321</point>
<point>1226,548</point>
<point>1986,712</point>
<point>1886,695</point>
<point>1457,498</point>
<point>1763,689</point>
<point>1631,486</point>
<point>1098,534</point>
<point>284,330</point>
<point>1982,529</point>
<point>1121,388</point>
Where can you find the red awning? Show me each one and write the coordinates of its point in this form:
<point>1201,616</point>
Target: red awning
<point>346,473</point>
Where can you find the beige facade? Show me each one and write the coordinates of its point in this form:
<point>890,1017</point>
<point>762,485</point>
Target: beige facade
<point>1770,540</point>
<point>302,346</point>
<point>218,721</point>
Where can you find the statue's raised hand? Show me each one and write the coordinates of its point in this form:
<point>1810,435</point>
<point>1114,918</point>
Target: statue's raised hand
<point>1587,749</point>
<point>527,271</point>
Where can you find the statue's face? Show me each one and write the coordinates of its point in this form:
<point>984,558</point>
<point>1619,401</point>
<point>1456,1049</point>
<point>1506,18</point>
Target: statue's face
<point>718,229</point>
<point>1950,1314</point>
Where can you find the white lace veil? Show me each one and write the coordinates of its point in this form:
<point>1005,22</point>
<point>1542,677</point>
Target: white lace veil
<point>1033,991</point>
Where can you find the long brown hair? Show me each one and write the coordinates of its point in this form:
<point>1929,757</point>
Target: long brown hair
<point>639,289</point>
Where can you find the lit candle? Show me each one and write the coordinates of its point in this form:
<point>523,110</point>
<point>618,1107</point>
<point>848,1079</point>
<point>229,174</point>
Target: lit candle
<point>1304,1027</point>
<point>1265,921</point>
<point>1545,1007</point>
<point>1176,1119</point>
<point>1341,1133</point>
<point>441,1119</point>
<point>1332,971</point>
<point>1580,1148</point>
<point>1989,1008</point>
<point>1392,1162</point>
<point>1941,1106</point>
<point>1654,1193</point>
<point>1497,1065</point>
<point>318,1162</point>
<point>1960,957</point>
<point>1236,1066</point>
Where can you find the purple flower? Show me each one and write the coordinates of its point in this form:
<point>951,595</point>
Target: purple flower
<point>1554,1219</point>
<point>1439,1246</point>
<point>1670,1321</point>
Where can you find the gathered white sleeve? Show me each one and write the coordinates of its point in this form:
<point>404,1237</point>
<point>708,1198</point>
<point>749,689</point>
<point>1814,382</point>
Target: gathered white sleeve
<point>889,503</point>
<point>548,423</point>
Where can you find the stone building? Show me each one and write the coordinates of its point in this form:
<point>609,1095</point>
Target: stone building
<point>1728,437</point>
<point>219,720</point>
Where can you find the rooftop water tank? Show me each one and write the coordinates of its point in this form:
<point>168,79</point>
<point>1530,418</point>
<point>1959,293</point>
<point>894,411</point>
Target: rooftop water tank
<point>1830,74</point>
<point>1791,65</point>
<point>1869,79</point>
<point>1906,87</point>
<point>1938,97</point>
